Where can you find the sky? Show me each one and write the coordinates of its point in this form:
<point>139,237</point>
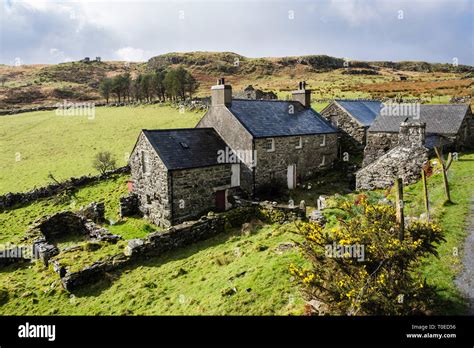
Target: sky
<point>55,31</point>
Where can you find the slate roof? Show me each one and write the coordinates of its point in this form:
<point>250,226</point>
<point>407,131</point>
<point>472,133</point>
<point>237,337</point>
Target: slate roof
<point>364,111</point>
<point>437,140</point>
<point>271,118</point>
<point>439,119</point>
<point>186,147</point>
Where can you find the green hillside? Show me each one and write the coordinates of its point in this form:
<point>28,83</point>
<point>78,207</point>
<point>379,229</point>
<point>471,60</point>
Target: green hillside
<point>32,145</point>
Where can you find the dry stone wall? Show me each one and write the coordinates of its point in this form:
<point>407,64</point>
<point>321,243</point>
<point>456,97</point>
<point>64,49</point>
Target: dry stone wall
<point>405,160</point>
<point>10,199</point>
<point>378,144</point>
<point>176,237</point>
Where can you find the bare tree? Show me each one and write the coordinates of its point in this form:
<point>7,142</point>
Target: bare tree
<point>104,161</point>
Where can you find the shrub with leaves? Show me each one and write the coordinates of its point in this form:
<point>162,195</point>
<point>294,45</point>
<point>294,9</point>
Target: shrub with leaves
<point>373,272</point>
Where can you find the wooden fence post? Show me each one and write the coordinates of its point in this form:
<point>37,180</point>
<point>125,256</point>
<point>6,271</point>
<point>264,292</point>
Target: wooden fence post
<point>399,207</point>
<point>445,167</point>
<point>425,194</point>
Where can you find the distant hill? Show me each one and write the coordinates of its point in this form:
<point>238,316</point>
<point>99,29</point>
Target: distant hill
<point>329,77</point>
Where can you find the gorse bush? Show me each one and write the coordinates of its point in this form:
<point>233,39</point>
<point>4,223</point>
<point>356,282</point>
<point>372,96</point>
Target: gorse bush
<point>360,267</point>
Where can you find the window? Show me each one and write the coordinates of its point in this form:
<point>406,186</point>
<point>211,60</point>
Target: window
<point>144,163</point>
<point>300,143</point>
<point>235,178</point>
<point>323,161</point>
<point>269,145</point>
<point>323,142</point>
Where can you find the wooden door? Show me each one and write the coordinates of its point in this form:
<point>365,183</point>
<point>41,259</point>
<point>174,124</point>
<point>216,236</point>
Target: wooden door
<point>220,200</point>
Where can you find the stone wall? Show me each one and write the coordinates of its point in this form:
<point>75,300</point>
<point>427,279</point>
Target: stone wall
<point>405,160</point>
<point>44,232</point>
<point>272,166</point>
<point>10,199</point>
<point>236,136</point>
<point>153,186</point>
<point>194,190</point>
<point>129,205</point>
<point>352,133</point>
<point>178,236</point>
<point>378,144</point>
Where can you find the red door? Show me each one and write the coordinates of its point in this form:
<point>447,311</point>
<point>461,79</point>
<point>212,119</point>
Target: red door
<point>220,200</point>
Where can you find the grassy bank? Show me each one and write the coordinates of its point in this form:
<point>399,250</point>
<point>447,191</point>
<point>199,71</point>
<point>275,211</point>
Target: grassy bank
<point>32,145</point>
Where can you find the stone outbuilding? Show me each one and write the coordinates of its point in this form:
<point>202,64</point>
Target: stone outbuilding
<point>448,126</point>
<point>250,92</point>
<point>280,143</point>
<point>180,174</point>
<point>353,118</point>
<point>404,160</point>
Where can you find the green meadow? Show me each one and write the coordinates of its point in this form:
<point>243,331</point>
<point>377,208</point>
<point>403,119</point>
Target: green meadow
<point>35,144</point>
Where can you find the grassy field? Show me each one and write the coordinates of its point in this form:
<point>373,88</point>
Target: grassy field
<point>200,279</point>
<point>230,274</point>
<point>32,145</point>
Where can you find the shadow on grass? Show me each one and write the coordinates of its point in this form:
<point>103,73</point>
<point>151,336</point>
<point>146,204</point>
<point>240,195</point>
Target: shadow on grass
<point>104,281</point>
<point>456,304</point>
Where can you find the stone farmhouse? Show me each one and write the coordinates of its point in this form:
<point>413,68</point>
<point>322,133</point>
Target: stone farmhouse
<point>250,92</point>
<point>450,127</point>
<point>240,147</point>
<point>353,118</point>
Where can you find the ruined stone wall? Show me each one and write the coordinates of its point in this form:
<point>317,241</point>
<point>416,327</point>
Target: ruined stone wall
<point>175,237</point>
<point>378,144</point>
<point>151,187</point>
<point>353,134</point>
<point>272,166</point>
<point>405,160</point>
<point>194,190</point>
<point>236,136</point>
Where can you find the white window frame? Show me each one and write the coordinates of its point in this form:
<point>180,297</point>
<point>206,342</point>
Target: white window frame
<point>323,162</point>
<point>324,141</point>
<point>272,149</point>
<point>300,144</point>
<point>144,160</point>
<point>235,176</point>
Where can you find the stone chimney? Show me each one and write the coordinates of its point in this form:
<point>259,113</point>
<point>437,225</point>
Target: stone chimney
<point>412,134</point>
<point>302,95</point>
<point>221,94</point>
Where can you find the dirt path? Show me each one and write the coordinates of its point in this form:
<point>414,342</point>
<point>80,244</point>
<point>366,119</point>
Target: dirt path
<point>465,280</point>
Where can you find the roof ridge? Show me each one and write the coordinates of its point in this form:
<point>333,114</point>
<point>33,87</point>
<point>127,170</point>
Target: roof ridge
<point>175,129</point>
<point>265,100</point>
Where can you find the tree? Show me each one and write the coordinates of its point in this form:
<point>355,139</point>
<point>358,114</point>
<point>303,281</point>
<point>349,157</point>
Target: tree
<point>3,79</point>
<point>158,85</point>
<point>104,161</point>
<point>380,280</point>
<point>146,86</point>
<point>105,88</point>
<point>191,84</point>
<point>170,84</point>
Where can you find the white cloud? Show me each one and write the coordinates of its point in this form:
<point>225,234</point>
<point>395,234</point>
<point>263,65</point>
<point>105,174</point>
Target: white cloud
<point>130,54</point>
